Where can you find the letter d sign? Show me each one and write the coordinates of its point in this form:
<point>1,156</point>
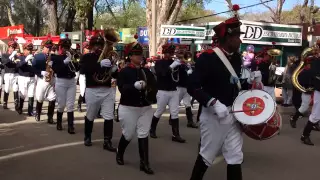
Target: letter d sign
<point>169,31</point>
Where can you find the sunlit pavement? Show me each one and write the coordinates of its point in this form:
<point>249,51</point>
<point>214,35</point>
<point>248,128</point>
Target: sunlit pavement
<point>37,151</point>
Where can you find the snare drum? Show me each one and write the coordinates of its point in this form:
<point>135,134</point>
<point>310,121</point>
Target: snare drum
<point>256,111</point>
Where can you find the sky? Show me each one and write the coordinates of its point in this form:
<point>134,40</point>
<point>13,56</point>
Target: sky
<point>221,5</point>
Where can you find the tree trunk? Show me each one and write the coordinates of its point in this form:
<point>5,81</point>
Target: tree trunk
<point>52,17</point>
<point>167,12</point>
<point>90,16</point>
<point>70,18</point>
<point>82,25</point>
<point>276,12</point>
<point>9,11</point>
<point>303,12</point>
<point>37,21</point>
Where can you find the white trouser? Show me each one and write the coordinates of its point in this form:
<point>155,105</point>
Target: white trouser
<point>135,119</point>
<point>270,90</point>
<point>82,84</point>
<point>170,98</point>
<point>287,95</point>
<point>77,76</point>
<point>26,86</point>
<point>305,103</point>
<point>10,82</point>
<point>66,90</point>
<point>100,97</point>
<point>183,95</point>
<point>315,113</point>
<point>45,90</point>
<point>220,136</point>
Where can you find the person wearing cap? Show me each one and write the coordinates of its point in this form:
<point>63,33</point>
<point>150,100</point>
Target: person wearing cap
<point>99,95</point>
<point>135,111</point>
<point>65,85</point>
<point>216,88</point>
<point>26,79</point>
<point>9,60</point>
<point>167,72</point>
<point>82,78</point>
<point>44,90</point>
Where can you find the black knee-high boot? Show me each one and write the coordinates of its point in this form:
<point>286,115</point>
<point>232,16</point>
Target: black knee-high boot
<point>30,106</point>
<point>153,129</point>
<point>99,113</point>
<point>189,115</point>
<point>108,132</point>
<point>5,100</point>
<point>305,138</point>
<point>88,126</point>
<point>38,110</point>
<point>234,172</point>
<point>59,120</point>
<point>80,99</point>
<point>123,143</point>
<point>16,100</point>
<point>70,116</point>
<point>0,93</point>
<point>175,131</point>
<point>199,112</point>
<point>144,155</point>
<point>294,119</point>
<point>50,113</point>
<point>199,169</point>
<point>20,107</point>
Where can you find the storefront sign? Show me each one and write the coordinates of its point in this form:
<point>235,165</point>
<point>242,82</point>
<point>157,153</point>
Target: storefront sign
<point>11,32</point>
<point>172,31</point>
<point>143,37</point>
<point>260,33</point>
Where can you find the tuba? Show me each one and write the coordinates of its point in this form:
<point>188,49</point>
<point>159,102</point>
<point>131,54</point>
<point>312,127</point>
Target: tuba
<point>307,53</point>
<point>49,70</point>
<point>110,38</point>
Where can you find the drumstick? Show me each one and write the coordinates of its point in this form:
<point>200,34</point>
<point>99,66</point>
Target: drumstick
<point>242,111</point>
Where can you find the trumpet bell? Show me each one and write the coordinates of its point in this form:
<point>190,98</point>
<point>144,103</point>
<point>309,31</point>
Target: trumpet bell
<point>274,52</point>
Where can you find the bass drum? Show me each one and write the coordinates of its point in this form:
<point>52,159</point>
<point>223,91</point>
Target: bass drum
<point>266,130</point>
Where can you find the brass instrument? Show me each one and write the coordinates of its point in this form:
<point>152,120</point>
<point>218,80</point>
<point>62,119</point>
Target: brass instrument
<point>75,59</point>
<point>49,70</point>
<point>272,68</point>
<point>151,86</point>
<point>310,51</point>
<point>110,38</point>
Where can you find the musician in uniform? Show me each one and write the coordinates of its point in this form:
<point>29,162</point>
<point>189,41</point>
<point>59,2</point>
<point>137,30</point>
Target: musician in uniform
<point>82,78</point>
<point>26,79</point>
<point>1,75</point>
<point>9,61</point>
<point>135,111</point>
<point>167,74</point>
<point>44,89</point>
<point>184,71</point>
<point>215,84</point>
<point>99,94</point>
<point>314,117</point>
<point>65,85</point>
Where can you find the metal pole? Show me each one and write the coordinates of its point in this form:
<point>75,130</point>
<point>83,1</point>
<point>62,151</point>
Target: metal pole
<point>154,28</point>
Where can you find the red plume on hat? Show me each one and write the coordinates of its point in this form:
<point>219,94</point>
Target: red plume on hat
<point>136,36</point>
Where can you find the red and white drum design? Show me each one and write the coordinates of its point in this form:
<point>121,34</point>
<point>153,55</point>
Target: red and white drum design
<point>254,107</point>
<point>265,130</point>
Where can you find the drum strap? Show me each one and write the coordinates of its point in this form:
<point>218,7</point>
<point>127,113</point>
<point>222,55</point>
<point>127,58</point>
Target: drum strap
<point>226,62</point>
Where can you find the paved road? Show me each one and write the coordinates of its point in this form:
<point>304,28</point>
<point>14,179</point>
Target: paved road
<point>36,151</point>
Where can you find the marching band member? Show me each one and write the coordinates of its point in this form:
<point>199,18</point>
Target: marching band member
<point>65,85</point>
<point>1,75</point>
<point>99,94</point>
<point>314,117</point>
<point>184,71</point>
<point>26,80</point>
<point>287,82</point>
<point>215,84</point>
<point>9,61</point>
<point>166,72</point>
<point>44,89</point>
<point>82,78</point>
<point>135,112</point>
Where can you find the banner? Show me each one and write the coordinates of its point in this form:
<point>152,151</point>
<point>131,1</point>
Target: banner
<point>173,31</point>
<point>11,32</point>
<point>143,37</point>
<point>259,33</point>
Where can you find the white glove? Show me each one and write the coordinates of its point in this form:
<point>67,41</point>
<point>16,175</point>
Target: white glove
<point>11,57</point>
<point>68,54</point>
<point>175,64</point>
<point>105,63</point>
<point>114,69</point>
<point>189,71</point>
<point>29,57</point>
<point>44,73</point>
<point>50,63</point>
<point>220,109</point>
<point>67,60</point>
<point>140,85</point>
